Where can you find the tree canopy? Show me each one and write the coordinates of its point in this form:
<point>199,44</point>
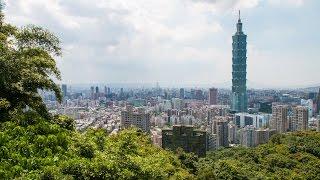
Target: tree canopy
<point>27,66</point>
<point>33,148</point>
<point>287,156</point>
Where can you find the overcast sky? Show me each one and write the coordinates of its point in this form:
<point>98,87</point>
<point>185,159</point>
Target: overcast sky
<point>178,41</point>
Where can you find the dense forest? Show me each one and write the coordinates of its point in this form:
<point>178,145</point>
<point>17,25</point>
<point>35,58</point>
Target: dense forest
<point>36,145</point>
<point>286,156</point>
<point>32,147</point>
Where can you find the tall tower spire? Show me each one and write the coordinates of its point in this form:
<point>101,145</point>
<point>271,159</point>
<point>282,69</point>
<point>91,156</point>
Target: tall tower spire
<point>239,24</point>
<point>239,70</point>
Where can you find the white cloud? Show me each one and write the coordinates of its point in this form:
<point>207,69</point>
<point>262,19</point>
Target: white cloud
<point>296,3</point>
<point>138,40</point>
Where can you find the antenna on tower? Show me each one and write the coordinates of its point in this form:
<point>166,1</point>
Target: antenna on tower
<point>239,15</point>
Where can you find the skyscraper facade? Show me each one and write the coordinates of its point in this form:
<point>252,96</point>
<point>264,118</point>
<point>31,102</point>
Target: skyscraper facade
<point>239,70</point>
<point>213,93</point>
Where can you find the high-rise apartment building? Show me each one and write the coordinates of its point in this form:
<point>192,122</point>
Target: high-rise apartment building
<point>138,118</point>
<point>198,94</point>
<point>248,136</point>
<point>222,133</point>
<point>318,103</point>
<point>299,120</point>
<point>232,133</point>
<point>257,120</point>
<point>318,123</point>
<point>181,93</point>
<point>213,123</point>
<point>64,90</point>
<point>211,142</point>
<point>92,92</point>
<point>177,103</point>
<point>185,137</point>
<point>106,90</point>
<point>310,105</point>
<point>213,96</point>
<point>262,136</point>
<point>239,70</point>
<point>279,120</point>
<point>97,89</point>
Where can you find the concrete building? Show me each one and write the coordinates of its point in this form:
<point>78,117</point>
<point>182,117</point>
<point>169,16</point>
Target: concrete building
<point>217,110</point>
<point>232,133</point>
<point>92,92</point>
<point>318,123</point>
<point>222,133</point>
<point>213,123</point>
<point>64,90</point>
<point>299,120</point>
<point>248,136</point>
<point>156,137</point>
<point>185,137</point>
<point>97,89</point>
<point>257,120</point>
<point>262,136</point>
<point>279,120</point>
<point>309,104</point>
<point>239,70</point>
<point>318,103</point>
<point>213,96</point>
<point>177,103</point>
<point>211,142</point>
<point>198,94</point>
<point>138,118</point>
<point>181,93</point>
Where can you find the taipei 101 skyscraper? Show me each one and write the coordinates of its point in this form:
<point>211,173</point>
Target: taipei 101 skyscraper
<point>239,70</point>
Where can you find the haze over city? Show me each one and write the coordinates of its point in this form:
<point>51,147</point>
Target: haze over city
<point>178,42</point>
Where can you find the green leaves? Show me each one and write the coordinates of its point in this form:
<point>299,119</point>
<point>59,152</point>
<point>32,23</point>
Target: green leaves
<point>286,156</point>
<point>33,147</point>
<point>27,66</point>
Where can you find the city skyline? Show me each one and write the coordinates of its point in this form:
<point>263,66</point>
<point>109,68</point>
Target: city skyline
<point>188,43</point>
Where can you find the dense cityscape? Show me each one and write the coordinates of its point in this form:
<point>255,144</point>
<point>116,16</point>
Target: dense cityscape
<point>195,119</point>
<point>135,89</point>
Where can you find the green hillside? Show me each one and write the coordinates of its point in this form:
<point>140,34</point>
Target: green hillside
<point>288,156</point>
<point>33,148</point>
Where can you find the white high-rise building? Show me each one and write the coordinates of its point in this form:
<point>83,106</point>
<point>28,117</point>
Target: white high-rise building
<point>257,120</point>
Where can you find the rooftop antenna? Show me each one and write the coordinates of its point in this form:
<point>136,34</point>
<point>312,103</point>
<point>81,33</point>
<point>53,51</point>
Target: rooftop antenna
<point>239,15</point>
